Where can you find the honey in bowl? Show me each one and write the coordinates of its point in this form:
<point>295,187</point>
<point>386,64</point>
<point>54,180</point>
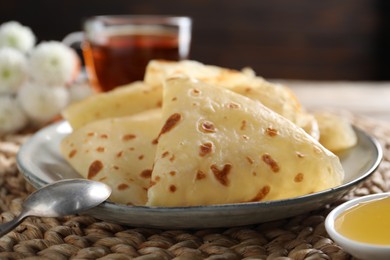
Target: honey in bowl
<point>367,222</point>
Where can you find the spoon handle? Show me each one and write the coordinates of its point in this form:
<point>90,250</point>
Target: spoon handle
<point>7,227</point>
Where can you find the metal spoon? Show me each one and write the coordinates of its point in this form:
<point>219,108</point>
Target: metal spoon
<point>61,198</point>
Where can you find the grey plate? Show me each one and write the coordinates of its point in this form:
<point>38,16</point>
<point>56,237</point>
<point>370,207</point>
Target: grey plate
<point>39,159</point>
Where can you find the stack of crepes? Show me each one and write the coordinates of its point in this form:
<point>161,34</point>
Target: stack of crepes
<point>194,134</point>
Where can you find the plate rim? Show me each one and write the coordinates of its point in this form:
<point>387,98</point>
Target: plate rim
<point>108,205</point>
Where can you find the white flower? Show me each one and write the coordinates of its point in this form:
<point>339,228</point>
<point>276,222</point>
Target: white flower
<point>79,91</point>
<point>12,117</point>
<point>41,103</point>
<point>13,70</point>
<point>15,35</point>
<point>53,63</point>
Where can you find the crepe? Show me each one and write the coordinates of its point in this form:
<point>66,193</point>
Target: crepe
<point>276,97</point>
<point>118,152</point>
<point>122,101</point>
<point>281,100</point>
<point>157,71</point>
<point>336,132</point>
<point>219,147</point>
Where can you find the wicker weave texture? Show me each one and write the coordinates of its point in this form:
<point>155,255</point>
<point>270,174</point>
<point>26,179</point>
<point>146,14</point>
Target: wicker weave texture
<point>83,237</point>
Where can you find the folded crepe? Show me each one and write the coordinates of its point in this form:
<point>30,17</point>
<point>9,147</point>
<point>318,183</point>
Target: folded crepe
<point>219,147</point>
<point>117,151</point>
<point>277,97</point>
<point>281,100</point>
<point>122,101</point>
<point>157,71</point>
<point>337,133</point>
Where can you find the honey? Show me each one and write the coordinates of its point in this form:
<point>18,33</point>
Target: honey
<point>367,222</point>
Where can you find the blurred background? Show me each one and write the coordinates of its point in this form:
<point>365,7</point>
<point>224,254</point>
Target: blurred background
<point>295,39</point>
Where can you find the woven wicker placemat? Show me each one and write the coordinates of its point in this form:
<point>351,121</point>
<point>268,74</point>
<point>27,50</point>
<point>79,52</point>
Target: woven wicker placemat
<point>83,237</point>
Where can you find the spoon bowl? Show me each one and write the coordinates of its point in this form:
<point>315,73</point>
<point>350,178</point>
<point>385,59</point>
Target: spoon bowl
<point>61,198</point>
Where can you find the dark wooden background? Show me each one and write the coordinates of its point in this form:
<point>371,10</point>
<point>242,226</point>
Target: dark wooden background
<point>290,39</point>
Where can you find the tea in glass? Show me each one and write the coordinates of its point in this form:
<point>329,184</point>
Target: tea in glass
<point>117,49</point>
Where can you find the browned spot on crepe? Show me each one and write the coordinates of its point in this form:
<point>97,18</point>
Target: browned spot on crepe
<point>271,162</point>
<point>172,188</point>
<point>170,123</point>
<point>271,132</point>
<point>262,193</point>
<point>205,149</point>
<point>299,177</point>
<point>94,169</point>
<point>122,186</point>
<point>128,137</point>
<point>72,153</point>
<point>207,127</point>
<point>200,175</point>
<point>222,175</point>
<point>146,174</point>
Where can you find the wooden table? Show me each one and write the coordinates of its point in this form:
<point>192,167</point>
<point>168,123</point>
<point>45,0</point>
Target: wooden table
<point>370,99</point>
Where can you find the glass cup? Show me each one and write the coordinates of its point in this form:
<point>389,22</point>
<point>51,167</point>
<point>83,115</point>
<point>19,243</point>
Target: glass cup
<point>117,48</point>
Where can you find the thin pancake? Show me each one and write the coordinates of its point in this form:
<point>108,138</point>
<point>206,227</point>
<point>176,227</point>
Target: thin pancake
<point>276,97</point>
<point>218,147</point>
<point>118,152</point>
<point>122,101</point>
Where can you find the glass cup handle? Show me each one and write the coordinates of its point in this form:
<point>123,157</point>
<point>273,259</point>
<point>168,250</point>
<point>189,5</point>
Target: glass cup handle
<point>74,38</point>
<point>74,41</point>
